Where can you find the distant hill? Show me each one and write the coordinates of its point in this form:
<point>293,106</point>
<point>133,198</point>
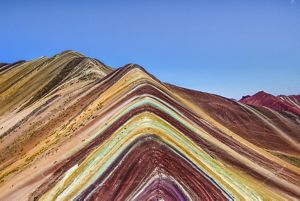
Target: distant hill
<point>282,103</point>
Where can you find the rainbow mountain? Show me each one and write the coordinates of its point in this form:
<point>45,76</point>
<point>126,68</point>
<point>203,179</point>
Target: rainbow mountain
<point>72,128</point>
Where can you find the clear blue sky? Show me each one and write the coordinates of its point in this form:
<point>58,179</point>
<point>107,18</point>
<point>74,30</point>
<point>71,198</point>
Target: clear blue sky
<point>228,47</point>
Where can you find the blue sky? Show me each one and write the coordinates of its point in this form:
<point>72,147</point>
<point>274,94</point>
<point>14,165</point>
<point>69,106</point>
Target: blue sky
<point>231,48</point>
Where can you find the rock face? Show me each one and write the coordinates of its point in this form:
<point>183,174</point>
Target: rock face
<point>72,128</point>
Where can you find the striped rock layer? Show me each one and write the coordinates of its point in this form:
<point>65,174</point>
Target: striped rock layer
<point>72,128</point>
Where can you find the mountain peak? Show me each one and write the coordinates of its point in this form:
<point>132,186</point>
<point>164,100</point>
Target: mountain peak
<point>70,52</point>
<point>47,74</point>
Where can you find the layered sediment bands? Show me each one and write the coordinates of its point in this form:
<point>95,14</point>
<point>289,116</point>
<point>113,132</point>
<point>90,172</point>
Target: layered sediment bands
<point>261,126</point>
<point>83,131</point>
<point>5,66</point>
<point>148,164</point>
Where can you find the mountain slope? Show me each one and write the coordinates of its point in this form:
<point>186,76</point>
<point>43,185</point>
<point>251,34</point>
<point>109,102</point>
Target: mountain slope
<point>85,131</point>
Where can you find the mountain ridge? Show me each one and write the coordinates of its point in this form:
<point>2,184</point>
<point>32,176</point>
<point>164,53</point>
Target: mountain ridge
<point>77,140</point>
